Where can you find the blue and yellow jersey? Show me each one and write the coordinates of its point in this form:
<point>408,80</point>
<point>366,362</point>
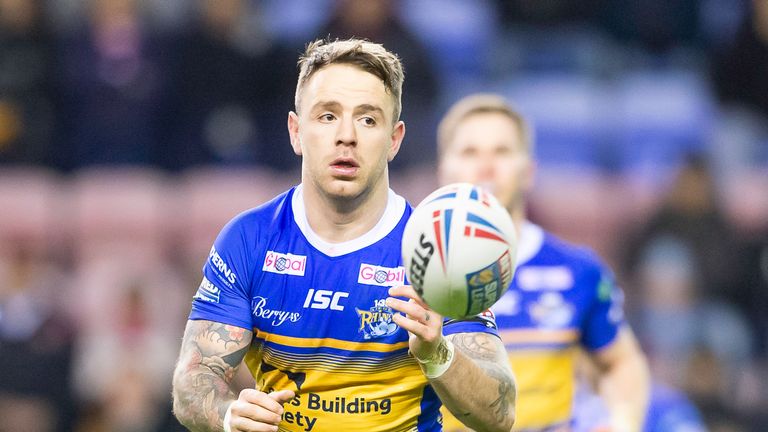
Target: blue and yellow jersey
<point>561,298</point>
<point>320,324</point>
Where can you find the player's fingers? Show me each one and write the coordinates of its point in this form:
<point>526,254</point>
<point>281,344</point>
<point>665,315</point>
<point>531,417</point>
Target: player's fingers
<point>411,309</point>
<point>403,291</point>
<point>246,415</point>
<point>407,291</point>
<point>261,399</point>
<point>411,326</point>
<point>282,396</point>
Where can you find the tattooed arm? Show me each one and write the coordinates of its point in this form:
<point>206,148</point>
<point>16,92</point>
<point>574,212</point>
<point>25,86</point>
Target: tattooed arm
<point>478,386</point>
<point>480,359</point>
<point>210,353</point>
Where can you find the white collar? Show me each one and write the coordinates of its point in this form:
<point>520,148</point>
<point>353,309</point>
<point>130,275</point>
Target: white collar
<point>389,220</point>
<point>530,242</point>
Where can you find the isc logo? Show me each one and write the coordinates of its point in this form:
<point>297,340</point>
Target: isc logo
<point>324,299</point>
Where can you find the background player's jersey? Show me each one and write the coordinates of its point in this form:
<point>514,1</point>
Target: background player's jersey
<point>319,320</point>
<point>561,297</point>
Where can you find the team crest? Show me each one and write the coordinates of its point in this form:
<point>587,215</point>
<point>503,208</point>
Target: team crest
<point>551,311</point>
<point>376,322</point>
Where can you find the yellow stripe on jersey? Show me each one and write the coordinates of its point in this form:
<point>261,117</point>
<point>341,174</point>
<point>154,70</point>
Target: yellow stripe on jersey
<point>329,343</point>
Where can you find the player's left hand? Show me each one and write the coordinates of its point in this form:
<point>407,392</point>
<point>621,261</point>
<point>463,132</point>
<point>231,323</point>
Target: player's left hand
<point>425,326</point>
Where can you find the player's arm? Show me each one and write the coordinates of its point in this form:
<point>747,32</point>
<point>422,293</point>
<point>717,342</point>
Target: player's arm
<point>210,355</point>
<point>624,381</point>
<point>469,371</point>
<point>479,387</point>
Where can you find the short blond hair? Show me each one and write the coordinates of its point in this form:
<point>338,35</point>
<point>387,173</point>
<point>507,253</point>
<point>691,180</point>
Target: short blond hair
<point>368,56</point>
<point>481,103</point>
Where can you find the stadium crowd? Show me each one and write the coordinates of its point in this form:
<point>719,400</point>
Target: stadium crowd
<point>132,130</point>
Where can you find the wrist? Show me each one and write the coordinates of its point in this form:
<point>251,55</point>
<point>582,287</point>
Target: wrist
<point>227,418</point>
<point>435,365</point>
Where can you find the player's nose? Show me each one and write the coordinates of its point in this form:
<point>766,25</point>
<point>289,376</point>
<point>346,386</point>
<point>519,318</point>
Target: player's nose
<point>346,133</point>
<point>486,170</point>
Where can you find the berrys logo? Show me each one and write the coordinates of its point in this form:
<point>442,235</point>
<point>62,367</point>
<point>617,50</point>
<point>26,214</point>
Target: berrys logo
<point>383,276</point>
<point>281,263</point>
<point>276,317</point>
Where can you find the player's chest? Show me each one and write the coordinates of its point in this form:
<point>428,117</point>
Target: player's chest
<point>319,297</point>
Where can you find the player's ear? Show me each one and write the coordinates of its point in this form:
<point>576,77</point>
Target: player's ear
<point>293,132</point>
<point>398,133</point>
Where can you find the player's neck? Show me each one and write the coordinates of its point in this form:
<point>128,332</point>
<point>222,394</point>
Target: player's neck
<point>337,220</point>
<point>517,212</point>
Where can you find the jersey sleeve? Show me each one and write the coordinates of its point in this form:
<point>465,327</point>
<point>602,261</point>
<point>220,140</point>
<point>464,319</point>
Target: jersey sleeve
<point>484,322</point>
<point>606,314</point>
<point>223,293</point>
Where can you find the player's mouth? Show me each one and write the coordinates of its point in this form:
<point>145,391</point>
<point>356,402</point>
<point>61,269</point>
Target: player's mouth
<point>344,167</point>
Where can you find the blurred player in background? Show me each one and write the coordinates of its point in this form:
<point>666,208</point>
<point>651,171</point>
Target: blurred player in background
<point>307,287</point>
<point>562,296</point>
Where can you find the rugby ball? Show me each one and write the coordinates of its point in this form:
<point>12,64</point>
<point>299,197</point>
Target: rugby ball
<point>459,249</point>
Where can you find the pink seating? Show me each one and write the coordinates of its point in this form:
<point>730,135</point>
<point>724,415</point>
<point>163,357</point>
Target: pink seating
<point>30,211</point>
<point>207,198</point>
<point>119,210</point>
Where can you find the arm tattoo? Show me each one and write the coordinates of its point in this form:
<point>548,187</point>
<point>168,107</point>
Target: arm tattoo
<point>489,354</point>
<point>477,346</point>
<point>210,354</point>
<point>499,405</point>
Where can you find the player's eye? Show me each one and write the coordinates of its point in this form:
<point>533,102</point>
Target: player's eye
<point>327,117</point>
<point>368,121</point>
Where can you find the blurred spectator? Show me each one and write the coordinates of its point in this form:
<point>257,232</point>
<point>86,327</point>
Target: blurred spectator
<point>232,92</point>
<point>740,70</point>
<point>714,392</point>
<point>35,344</point>
<point>691,214</point>
<point>674,320</point>
<point>124,297</point>
<point>113,84</point>
<point>378,21</point>
<point>124,357</point>
<point>701,346</point>
<point>27,112</point>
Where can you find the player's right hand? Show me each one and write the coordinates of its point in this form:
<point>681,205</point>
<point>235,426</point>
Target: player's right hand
<point>256,411</point>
